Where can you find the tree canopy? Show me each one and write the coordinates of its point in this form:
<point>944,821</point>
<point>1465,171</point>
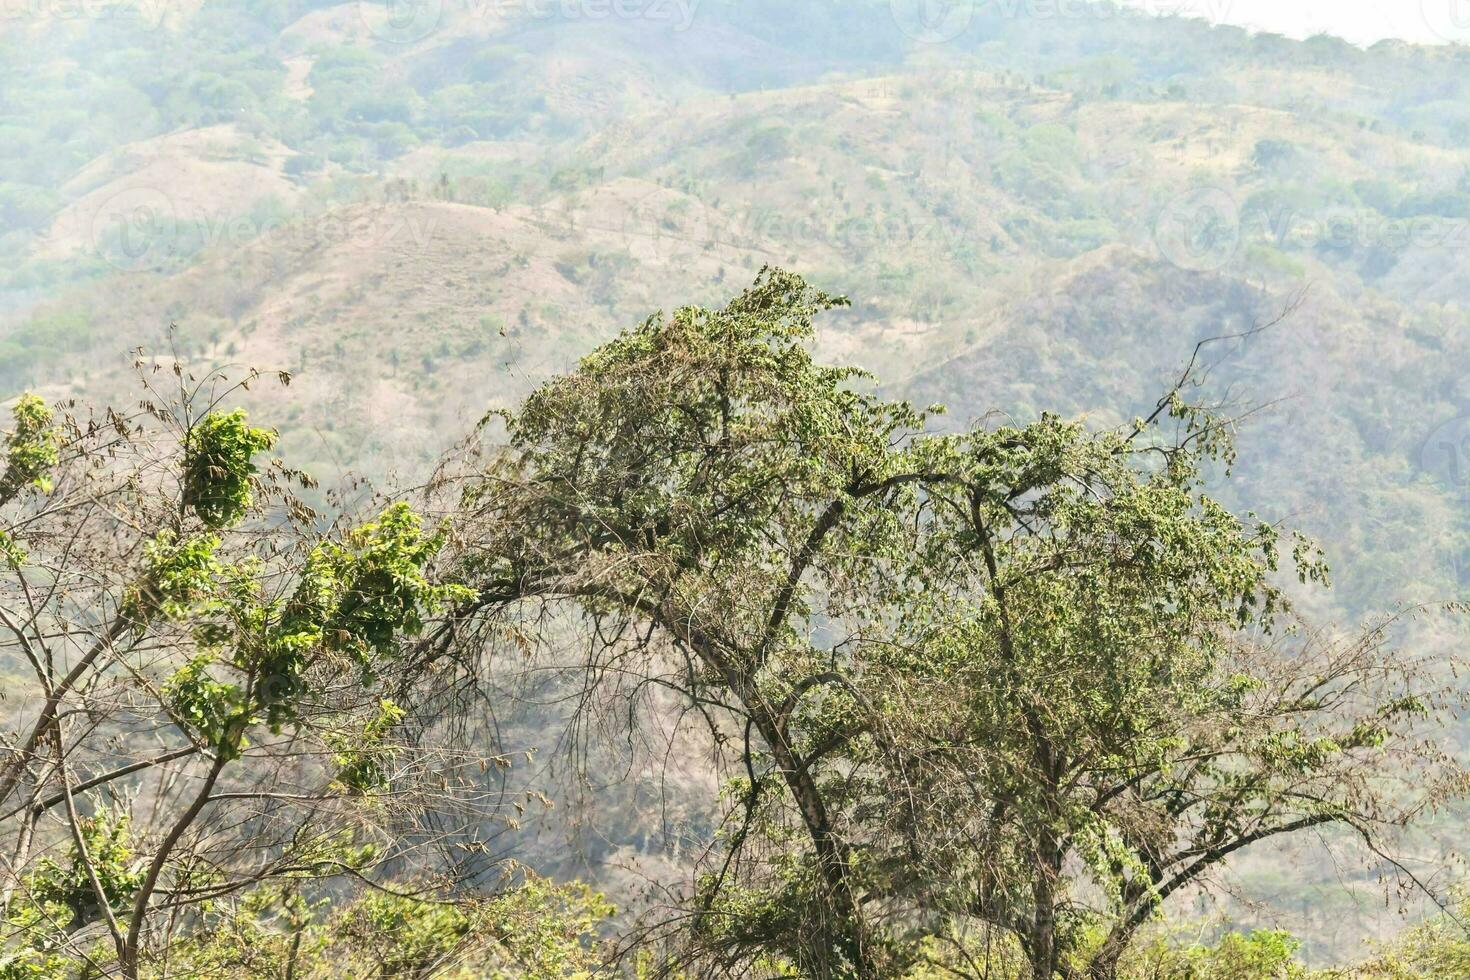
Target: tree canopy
<point>968,679</point>
<point>989,695</point>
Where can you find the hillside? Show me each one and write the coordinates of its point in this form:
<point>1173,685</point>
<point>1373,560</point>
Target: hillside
<point>422,220</point>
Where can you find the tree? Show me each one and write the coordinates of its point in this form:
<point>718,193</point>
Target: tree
<point>1096,687</point>
<point>958,675</point>
<point>686,491</point>
<point>224,694</point>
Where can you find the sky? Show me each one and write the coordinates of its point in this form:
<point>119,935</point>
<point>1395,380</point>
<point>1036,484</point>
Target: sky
<point>1359,21</point>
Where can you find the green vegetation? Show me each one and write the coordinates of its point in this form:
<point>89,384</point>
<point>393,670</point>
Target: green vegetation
<point>992,696</point>
<point>1020,679</point>
<point>157,568</point>
<point>218,466</point>
<point>823,684</point>
<point>30,449</point>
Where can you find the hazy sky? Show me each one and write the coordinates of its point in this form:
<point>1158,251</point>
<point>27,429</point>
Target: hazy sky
<point>1360,21</point>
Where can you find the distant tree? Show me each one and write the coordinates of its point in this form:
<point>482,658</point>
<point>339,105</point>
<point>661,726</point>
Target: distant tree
<point>1270,153</point>
<point>301,164</point>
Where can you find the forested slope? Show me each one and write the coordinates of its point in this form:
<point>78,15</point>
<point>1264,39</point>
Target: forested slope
<point>423,219</point>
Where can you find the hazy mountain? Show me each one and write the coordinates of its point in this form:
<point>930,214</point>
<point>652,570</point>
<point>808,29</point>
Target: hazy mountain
<point>422,211</point>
